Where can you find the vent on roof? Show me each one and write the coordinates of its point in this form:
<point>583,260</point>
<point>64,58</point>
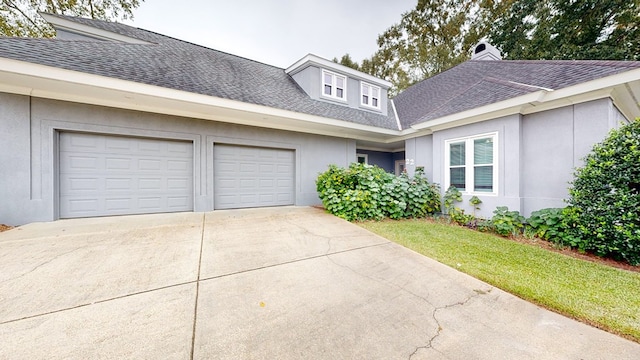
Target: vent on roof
<point>485,51</point>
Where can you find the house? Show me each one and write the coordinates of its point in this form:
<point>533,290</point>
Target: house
<point>108,119</point>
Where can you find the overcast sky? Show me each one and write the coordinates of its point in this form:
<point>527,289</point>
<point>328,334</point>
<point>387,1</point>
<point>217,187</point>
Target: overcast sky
<point>276,32</point>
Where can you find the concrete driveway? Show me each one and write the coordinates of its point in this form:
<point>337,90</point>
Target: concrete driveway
<point>277,283</point>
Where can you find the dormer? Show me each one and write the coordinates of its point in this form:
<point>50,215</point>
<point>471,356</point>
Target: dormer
<point>71,30</point>
<point>326,80</point>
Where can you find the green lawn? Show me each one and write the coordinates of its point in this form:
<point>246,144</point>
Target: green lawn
<point>605,297</point>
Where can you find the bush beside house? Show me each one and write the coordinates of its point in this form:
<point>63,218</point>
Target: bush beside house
<point>605,195</point>
<point>363,192</point>
<point>603,216</point>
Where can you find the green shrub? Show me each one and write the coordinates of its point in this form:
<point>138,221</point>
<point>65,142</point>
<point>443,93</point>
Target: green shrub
<point>363,192</point>
<point>505,222</point>
<point>557,225</point>
<point>606,196</point>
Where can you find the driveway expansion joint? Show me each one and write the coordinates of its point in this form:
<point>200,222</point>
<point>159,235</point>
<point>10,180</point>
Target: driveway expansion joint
<point>195,306</point>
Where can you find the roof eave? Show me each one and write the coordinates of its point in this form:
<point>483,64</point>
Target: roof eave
<point>623,88</point>
<point>59,84</point>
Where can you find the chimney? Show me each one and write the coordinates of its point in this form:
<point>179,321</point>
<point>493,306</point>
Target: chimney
<point>485,51</point>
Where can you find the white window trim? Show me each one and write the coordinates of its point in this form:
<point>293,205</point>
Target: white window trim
<point>469,163</point>
<point>365,156</point>
<point>371,87</point>
<point>334,76</point>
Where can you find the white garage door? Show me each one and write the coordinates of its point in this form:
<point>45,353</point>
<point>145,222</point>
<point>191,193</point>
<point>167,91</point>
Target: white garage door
<point>252,177</point>
<point>115,175</point>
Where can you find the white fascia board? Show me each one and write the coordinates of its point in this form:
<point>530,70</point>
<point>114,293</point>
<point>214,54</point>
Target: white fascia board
<point>73,27</point>
<point>311,59</point>
<point>627,101</point>
<point>538,101</point>
<point>53,83</point>
<point>595,85</point>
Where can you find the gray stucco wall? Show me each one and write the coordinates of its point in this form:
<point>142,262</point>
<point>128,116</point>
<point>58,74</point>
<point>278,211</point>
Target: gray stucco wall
<point>554,144</point>
<point>310,80</point>
<point>28,136</point>
<point>537,153</point>
<point>508,191</point>
<point>419,152</point>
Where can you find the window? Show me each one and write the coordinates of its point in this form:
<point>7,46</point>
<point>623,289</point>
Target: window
<point>370,96</point>
<point>334,85</point>
<point>471,164</point>
<point>362,158</point>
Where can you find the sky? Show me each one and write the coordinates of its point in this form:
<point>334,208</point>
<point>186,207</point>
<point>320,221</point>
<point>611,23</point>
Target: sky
<point>275,32</point>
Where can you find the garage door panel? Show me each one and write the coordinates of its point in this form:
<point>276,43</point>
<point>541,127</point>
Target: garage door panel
<point>252,177</point>
<point>109,175</point>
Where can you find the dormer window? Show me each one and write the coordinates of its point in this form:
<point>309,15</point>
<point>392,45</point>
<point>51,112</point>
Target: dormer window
<point>370,95</point>
<point>334,85</point>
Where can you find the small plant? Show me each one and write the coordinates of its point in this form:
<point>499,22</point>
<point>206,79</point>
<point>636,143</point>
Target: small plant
<point>451,196</point>
<point>507,222</point>
<point>456,214</point>
<point>475,203</point>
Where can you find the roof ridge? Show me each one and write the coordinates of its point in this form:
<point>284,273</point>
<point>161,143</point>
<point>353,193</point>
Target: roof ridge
<point>514,84</point>
<point>594,62</point>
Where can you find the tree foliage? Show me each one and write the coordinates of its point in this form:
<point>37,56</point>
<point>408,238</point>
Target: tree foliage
<point>347,61</point>
<point>568,30</point>
<point>606,196</point>
<point>439,34</point>
<point>20,17</point>
<point>431,38</point>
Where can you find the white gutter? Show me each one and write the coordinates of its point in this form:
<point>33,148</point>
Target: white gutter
<point>36,80</point>
<point>544,99</point>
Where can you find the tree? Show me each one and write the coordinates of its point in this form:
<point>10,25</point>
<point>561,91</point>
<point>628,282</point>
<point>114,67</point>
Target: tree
<point>347,61</point>
<point>560,29</point>
<point>435,36</point>
<point>20,17</point>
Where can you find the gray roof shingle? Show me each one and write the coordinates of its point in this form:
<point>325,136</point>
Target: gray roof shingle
<point>181,65</point>
<point>477,83</point>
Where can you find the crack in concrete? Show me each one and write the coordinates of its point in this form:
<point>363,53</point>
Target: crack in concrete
<point>439,329</point>
<point>429,344</point>
<point>43,264</point>
<point>307,231</point>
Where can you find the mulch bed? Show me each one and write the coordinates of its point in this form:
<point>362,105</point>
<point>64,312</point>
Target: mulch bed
<point>576,254</point>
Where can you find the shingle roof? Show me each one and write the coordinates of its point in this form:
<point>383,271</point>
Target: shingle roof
<point>476,83</point>
<point>180,65</point>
